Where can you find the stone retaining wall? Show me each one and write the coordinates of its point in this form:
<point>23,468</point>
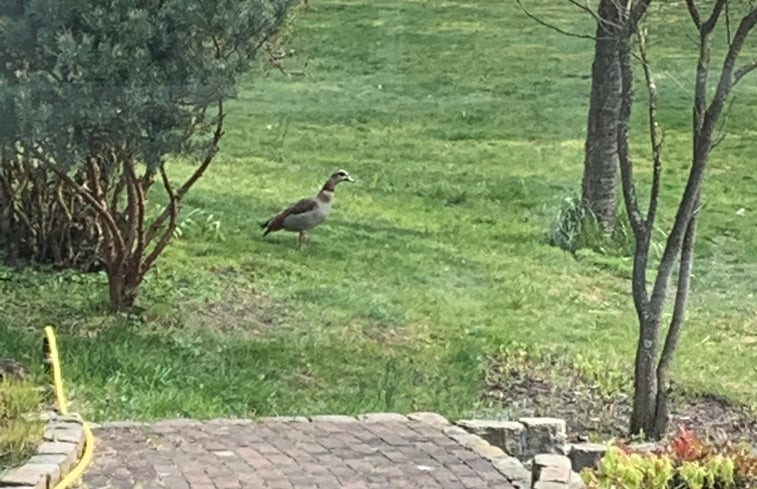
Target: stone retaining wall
<point>522,439</point>
<point>535,452</point>
<point>62,446</point>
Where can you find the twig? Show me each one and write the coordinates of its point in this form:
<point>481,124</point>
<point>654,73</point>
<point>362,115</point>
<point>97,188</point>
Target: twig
<point>552,26</point>
<point>598,18</point>
<point>744,70</point>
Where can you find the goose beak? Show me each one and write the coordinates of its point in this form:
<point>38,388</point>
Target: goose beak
<point>350,179</point>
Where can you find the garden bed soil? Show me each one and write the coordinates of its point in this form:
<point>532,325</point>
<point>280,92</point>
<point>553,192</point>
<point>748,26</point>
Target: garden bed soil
<point>589,414</point>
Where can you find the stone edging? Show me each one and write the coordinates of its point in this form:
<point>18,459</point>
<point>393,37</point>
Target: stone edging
<point>522,439</point>
<point>61,448</point>
<point>533,451</point>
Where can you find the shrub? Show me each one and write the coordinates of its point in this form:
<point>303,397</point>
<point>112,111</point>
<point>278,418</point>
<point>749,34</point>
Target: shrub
<point>686,462</point>
<point>97,96</point>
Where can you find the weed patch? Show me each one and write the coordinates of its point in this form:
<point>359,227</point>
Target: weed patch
<point>575,227</point>
<point>20,427</point>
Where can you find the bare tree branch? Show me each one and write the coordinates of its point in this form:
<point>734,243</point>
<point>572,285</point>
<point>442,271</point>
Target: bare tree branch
<point>727,76</point>
<point>179,194</point>
<point>682,290</point>
<point>676,324</point>
<point>700,85</point>
<point>587,9</point>
<point>137,207</point>
<point>640,228</point>
<point>654,136</point>
<point>212,150</point>
<point>638,11</point>
<point>626,164</point>
<point>702,145</point>
<point>709,25</point>
<point>132,204</point>
<point>173,210</point>
<point>744,70</point>
<point>694,13</point>
<point>552,26</point>
<point>598,18</point>
<point>722,132</point>
<point>101,210</point>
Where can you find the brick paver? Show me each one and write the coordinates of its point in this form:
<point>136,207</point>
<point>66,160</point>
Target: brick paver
<point>371,453</point>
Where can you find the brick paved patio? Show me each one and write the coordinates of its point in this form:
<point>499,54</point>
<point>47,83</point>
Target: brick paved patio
<point>383,451</point>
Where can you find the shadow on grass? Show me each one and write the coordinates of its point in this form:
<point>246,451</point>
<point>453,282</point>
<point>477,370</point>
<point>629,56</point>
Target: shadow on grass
<point>344,234</point>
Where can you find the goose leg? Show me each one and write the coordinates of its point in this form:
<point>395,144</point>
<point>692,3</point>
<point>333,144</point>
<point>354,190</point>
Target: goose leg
<point>303,239</point>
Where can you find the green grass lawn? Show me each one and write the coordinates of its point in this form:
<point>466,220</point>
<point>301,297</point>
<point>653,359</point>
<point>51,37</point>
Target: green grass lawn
<point>463,125</point>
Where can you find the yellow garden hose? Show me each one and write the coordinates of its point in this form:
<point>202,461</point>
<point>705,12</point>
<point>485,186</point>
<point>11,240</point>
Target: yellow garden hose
<point>89,440</point>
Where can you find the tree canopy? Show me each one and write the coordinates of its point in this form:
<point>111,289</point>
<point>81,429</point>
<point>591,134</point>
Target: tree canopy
<point>80,75</point>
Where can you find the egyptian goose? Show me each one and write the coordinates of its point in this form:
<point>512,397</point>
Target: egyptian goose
<point>309,212</point>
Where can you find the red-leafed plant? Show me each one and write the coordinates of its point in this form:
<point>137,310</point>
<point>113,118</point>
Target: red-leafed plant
<point>687,446</point>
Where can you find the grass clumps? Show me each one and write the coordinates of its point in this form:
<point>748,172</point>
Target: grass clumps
<point>20,427</point>
<point>575,227</point>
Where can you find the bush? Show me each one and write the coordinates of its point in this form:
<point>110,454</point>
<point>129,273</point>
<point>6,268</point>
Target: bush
<point>43,221</point>
<point>20,428</point>
<point>97,96</point>
<point>686,462</point>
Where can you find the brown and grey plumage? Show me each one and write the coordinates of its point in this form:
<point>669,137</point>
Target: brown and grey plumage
<point>309,212</point>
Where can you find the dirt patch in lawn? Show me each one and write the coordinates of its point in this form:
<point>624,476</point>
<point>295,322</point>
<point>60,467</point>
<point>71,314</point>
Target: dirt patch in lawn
<point>238,308</point>
<point>546,385</point>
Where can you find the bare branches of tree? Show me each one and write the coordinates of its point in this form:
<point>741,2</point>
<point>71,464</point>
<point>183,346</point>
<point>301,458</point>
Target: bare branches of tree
<point>652,386</point>
<point>549,25</point>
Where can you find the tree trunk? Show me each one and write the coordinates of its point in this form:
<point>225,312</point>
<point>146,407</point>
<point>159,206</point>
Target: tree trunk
<point>645,379</point>
<point>662,409</point>
<point>123,288</point>
<point>601,148</point>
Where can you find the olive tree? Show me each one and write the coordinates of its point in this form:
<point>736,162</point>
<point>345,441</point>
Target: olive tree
<point>98,96</point>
